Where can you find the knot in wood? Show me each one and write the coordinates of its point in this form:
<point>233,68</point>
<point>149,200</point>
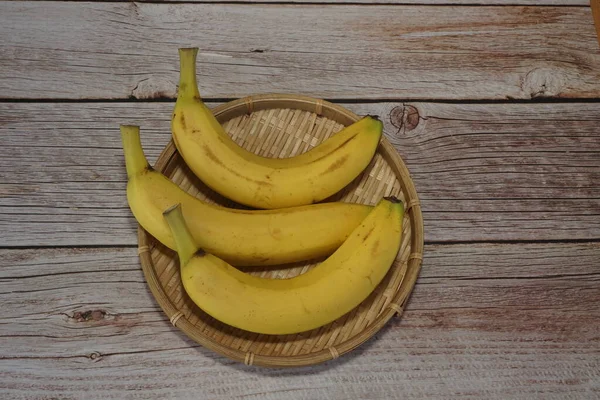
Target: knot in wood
<point>405,118</point>
<point>543,82</point>
<point>90,315</point>
<point>95,356</point>
<point>153,88</point>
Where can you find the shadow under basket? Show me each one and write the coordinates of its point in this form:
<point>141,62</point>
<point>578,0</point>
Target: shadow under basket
<point>275,125</point>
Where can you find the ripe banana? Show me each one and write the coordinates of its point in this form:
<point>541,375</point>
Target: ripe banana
<point>241,237</point>
<point>307,301</point>
<point>253,180</point>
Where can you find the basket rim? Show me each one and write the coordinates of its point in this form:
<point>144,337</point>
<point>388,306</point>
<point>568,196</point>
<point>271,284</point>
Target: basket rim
<point>412,266</point>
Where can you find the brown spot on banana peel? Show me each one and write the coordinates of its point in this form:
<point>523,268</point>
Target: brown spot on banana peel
<point>345,143</point>
<point>276,233</point>
<point>368,234</point>
<point>209,153</point>
<point>374,248</point>
<point>368,277</point>
<point>182,120</point>
<point>336,165</point>
<point>306,310</point>
<point>259,183</point>
<point>260,259</point>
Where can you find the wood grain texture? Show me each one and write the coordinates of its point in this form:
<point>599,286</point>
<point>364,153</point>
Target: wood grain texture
<point>401,2</point>
<point>485,321</point>
<point>483,172</point>
<point>119,50</point>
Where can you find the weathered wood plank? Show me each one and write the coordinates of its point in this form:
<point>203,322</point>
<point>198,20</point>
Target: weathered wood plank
<point>485,321</point>
<point>483,172</point>
<point>120,50</point>
<point>401,2</point>
<point>419,2</point>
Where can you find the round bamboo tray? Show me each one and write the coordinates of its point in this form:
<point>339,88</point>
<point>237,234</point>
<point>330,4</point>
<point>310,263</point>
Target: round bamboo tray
<point>277,125</point>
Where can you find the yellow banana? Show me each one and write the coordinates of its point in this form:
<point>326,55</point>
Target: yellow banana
<point>242,237</point>
<point>252,180</point>
<point>285,306</point>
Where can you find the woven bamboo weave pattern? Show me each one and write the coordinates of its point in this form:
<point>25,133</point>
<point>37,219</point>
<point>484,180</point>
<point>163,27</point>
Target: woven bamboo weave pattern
<point>283,126</point>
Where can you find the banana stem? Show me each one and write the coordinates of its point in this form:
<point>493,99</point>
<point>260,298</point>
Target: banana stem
<point>184,242</point>
<point>188,86</point>
<point>135,160</point>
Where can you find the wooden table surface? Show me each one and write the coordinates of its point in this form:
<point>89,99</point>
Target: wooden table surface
<point>494,106</point>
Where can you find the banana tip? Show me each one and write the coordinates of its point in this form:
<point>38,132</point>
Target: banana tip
<point>199,253</point>
<point>393,199</point>
<point>126,127</point>
<point>188,49</point>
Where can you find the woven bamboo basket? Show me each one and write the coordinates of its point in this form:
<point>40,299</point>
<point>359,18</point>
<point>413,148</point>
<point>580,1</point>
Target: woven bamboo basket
<point>278,125</point>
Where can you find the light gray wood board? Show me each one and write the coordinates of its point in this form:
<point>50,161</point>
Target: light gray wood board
<point>103,50</point>
<point>387,2</point>
<point>482,171</point>
<point>485,321</point>
<point>418,2</point>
